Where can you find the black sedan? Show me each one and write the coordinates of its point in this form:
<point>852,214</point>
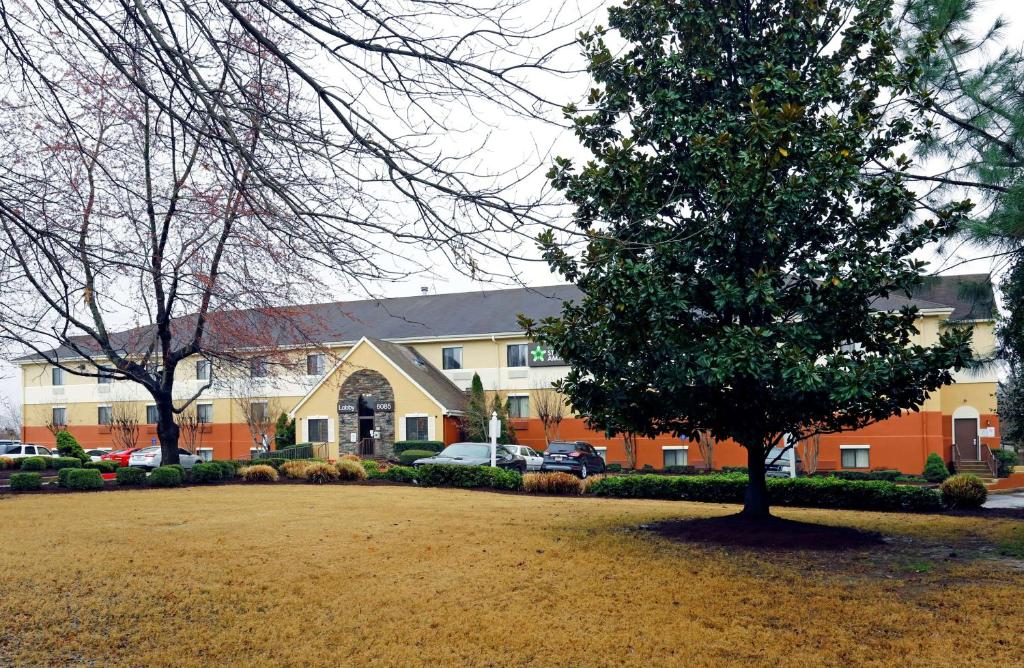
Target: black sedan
<point>475,454</point>
<point>574,457</point>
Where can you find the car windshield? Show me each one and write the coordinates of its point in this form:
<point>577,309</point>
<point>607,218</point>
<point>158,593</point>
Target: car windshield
<point>561,447</point>
<point>467,450</point>
<point>12,449</point>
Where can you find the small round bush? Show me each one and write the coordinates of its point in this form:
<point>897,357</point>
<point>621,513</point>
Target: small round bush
<point>26,482</point>
<point>165,476</point>
<point>409,456</point>
<point>83,479</point>
<point>206,473</point>
<point>370,466</point>
<point>350,470</point>
<point>33,464</point>
<point>259,473</point>
<point>320,473</point>
<point>552,483</point>
<point>1006,459</point>
<point>295,469</point>
<point>62,474</point>
<point>130,475</point>
<point>964,490</point>
<point>935,469</point>
<point>66,463</point>
<point>228,470</point>
<point>103,466</point>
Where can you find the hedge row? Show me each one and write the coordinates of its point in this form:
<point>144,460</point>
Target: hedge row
<point>429,446</point>
<point>808,492</point>
<point>446,475</point>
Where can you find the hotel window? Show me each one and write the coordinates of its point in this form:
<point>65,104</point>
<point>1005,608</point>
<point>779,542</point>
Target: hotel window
<point>258,412</point>
<point>57,375</point>
<point>515,354</point>
<point>451,358</point>
<point>204,413</point>
<point>519,406</point>
<point>104,378</point>
<point>855,457</point>
<point>206,454</point>
<point>203,368</point>
<point>317,430</point>
<point>258,367</point>
<point>674,457</point>
<point>151,416</point>
<point>417,428</point>
<point>104,415</point>
<point>59,416</point>
<point>315,364</point>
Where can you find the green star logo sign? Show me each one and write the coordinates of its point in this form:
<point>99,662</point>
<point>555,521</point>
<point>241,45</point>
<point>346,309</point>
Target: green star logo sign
<point>538,354</point>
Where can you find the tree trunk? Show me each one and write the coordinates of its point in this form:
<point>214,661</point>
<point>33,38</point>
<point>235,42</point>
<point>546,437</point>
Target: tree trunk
<point>755,499</point>
<point>166,429</point>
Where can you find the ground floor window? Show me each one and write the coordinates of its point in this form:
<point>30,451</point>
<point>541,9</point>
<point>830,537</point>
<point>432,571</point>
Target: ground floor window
<point>855,457</point>
<point>416,428</point>
<point>317,430</point>
<point>151,415</point>
<point>674,457</point>
<point>206,454</point>
<point>519,406</point>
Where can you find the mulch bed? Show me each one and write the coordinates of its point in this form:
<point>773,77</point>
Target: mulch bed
<point>773,533</point>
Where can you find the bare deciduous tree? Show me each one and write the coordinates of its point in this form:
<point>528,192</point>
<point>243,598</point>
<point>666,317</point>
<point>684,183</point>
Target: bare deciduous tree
<point>10,419</point>
<point>706,445</point>
<point>191,429</point>
<point>810,449</point>
<point>551,410</point>
<point>124,425</point>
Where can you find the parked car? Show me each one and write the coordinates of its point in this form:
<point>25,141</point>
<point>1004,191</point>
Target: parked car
<point>22,450</point>
<point>777,464</point>
<point>577,457</point>
<point>120,456</point>
<point>475,454</point>
<point>149,458</point>
<point>534,459</point>
<point>97,453</point>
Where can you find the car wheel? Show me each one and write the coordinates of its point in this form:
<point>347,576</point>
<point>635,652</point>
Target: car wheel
<point>583,471</point>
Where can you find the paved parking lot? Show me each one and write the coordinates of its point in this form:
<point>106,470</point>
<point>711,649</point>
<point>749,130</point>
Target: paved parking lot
<point>1015,500</point>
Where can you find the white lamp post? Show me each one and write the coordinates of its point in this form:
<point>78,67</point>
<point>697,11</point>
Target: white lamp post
<point>495,429</point>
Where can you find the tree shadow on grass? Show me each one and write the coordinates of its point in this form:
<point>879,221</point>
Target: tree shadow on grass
<point>773,533</point>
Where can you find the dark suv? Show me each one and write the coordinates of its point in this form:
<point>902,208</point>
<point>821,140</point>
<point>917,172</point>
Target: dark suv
<point>575,457</point>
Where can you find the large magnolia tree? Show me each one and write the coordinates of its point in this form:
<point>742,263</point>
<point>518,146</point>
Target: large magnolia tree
<point>742,240</point>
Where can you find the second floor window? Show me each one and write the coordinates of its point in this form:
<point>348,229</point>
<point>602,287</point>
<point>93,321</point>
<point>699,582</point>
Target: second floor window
<point>203,370</point>
<point>315,364</point>
<point>204,413</point>
<point>516,354</point>
<point>60,416</point>
<point>451,358</point>
<point>151,416</point>
<point>258,367</point>
<point>57,376</point>
<point>104,378</point>
<point>258,412</point>
<point>104,415</point>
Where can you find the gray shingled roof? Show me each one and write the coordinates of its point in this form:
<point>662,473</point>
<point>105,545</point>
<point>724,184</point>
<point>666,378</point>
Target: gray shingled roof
<point>489,312</point>
<point>425,374</point>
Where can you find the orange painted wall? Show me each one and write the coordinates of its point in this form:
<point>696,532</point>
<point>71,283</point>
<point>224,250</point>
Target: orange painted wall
<point>229,441</point>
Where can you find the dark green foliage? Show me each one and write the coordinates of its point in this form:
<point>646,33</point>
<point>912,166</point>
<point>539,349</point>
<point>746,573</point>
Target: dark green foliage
<point>615,468</point>
<point>103,466</point>
<point>477,416</point>
<point>25,482</point>
<point>681,470</point>
<point>273,462</point>
<point>735,469</point>
<point>165,476</point>
<point>83,479</point>
<point>67,446</point>
<point>745,207</point>
<point>935,468</point>
<point>228,469</point>
<point>180,469</point>
<point>432,446</point>
<point>207,473</point>
<point>130,475</point>
<point>409,456</point>
<point>1010,407</point>
<point>371,467</point>
<point>65,463</point>
<point>823,492</point>
<point>34,463</point>
<point>1006,459</point>
<point>62,474</point>
<point>284,432</point>
<point>400,474</point>
<point>444,475</point>
<point>499,405</point>
<point>881,474</point>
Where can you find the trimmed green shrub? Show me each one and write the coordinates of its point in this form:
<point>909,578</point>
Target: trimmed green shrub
<point>67,446</point>
<point>179,468</point>
<point>33,464</point>
<point>103,466</point>
<point>26,482</point>
<point>165,476</point>
<point>83,479</point>
<point>935,469</point>
<point>259,473</point>
<point>614,468</point>
<point>964,490</point>
<point>735,469</point>
<point>206,473</point>
<point>825,492</point>
<point>228,469</point>
<point>130,475</point>
<point>66,463</point>
<point>681,470</point>
<point>1006,459</point>
<point>370,466</point>
<point>62,474</point>
<point>429,446</point>
<point>447,475</point>
<point>273,462</point>
<point>409,456</point>
<point>400,474</point>
<point>881,474</point>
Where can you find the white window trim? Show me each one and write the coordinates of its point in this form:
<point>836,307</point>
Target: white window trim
<point>854,447</point>
<point>402,433</point>
<point>675,447</point>
<point>109,407</point>
<point>330,427</point>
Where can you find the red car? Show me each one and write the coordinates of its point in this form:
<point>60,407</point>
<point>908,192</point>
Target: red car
<point>120,456</point>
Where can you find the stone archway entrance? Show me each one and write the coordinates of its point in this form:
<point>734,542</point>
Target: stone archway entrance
<point>366,415</point>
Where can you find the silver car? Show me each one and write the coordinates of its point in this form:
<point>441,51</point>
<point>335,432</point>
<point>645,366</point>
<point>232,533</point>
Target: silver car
<point>149,458</point>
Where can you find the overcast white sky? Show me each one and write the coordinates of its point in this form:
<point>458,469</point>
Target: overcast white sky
<point>512,142</point>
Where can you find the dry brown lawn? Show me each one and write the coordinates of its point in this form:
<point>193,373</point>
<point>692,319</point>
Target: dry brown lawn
<point>394,576</point>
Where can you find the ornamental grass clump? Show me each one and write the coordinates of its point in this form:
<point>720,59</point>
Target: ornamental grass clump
<point>552,483</point>
<point>351,470</point>
<point>321,473</point>
<point>295,469</point>
<point>6,463</point>
<point>259,473</point>
<point>350,458</point>
<point>964,490</point>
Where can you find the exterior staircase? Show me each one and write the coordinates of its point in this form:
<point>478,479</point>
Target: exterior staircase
<point>976,467</point>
